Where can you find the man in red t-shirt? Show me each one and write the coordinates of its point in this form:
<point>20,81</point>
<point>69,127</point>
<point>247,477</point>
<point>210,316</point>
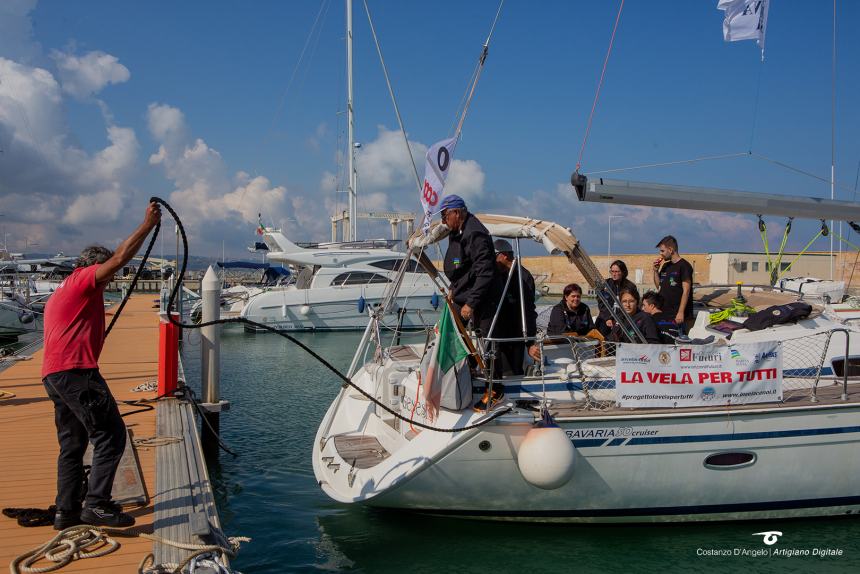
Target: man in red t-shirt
<point>84,409</point>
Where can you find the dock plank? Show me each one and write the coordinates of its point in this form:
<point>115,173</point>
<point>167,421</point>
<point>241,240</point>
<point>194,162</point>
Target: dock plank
<point>28,449</point>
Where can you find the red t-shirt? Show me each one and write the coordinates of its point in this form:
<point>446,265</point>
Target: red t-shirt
<point>75,323</point>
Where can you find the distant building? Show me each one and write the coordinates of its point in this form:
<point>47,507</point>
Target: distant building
<point>754,269</point>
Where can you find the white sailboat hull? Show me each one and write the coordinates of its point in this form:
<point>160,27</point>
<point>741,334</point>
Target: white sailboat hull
<point>654,471</point>
<point>793,458</point>
<point>646,468</point>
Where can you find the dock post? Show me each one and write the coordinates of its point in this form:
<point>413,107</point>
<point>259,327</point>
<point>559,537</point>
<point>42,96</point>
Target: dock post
<point>210,364</point>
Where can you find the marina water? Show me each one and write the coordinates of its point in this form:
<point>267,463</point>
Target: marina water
<point>278,396</point>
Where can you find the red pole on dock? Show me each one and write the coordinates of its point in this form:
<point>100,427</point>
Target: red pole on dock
<point>168,356</point>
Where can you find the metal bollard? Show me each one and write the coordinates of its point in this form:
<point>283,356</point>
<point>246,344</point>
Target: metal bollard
<point>210,363</point>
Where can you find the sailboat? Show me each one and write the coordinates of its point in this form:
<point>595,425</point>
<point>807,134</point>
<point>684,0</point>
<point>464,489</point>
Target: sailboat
<point>743,419</point>
<point>713,455</point>
<point>339,282</point>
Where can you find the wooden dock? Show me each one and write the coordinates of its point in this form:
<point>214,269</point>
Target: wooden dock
<point>28,448</point>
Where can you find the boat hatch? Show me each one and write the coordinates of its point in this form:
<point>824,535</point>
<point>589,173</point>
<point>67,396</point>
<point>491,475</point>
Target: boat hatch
<point>360,451</point>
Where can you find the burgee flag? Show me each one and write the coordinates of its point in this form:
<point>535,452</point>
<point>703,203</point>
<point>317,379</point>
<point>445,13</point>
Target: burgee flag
<point>443,371</point>
<point>745,20</point>
<point>438,162</point>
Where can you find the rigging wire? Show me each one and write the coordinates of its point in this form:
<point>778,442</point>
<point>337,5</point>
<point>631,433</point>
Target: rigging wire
<point>755,105</point>
<point>480,68</point>
<point>391,93</point>
<point>283,98</point>
<point>850,227</point>
<point>663,164</point>
<point>750,154</point>
<point>599,85</point>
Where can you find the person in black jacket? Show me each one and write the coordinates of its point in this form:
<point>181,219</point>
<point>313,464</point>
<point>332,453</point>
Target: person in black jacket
<point>470,264</point>
<point>630,304</point>
<point>652,303</point>
<point>570,315</point>
<point>615,283</point>
<point>510,321</point>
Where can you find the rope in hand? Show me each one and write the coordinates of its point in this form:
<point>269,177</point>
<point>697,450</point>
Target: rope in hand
<point>346,380</point>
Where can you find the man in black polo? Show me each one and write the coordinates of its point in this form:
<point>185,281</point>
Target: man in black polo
<point>673,276</point>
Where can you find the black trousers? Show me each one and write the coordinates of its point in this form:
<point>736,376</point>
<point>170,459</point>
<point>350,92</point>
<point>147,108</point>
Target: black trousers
<point>85,410</point>
<point>514,353</point>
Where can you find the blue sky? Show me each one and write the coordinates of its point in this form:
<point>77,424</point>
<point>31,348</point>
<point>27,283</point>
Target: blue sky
<point>103,104</point>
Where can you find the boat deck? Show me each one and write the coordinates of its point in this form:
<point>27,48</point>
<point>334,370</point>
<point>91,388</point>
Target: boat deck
<point>360,451</point>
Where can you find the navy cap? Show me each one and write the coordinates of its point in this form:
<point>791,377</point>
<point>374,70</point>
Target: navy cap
<point>452,202</point>
<point>503,246</point>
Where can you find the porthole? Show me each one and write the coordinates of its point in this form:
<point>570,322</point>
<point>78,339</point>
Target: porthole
<point>729,460</point>
<point>485,445</point>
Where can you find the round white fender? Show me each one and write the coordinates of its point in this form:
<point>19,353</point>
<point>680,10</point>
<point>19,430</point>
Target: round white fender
<point>546,457</point>
<point>304,309</point>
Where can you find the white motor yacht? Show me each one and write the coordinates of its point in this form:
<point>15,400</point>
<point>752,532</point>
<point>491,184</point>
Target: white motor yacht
<point>336,284</point>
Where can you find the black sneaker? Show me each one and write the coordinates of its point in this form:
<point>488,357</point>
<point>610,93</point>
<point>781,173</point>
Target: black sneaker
<point>66,518</point>
<point>113,505</point>
<point>498,394</point>
<point>106,514</point>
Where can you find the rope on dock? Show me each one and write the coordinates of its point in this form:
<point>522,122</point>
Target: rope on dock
<point>4,395</point>
<point>201,552</point>
<point>79,542</point>
<point>75,542</point>
<point>145,442</point>
<point>146,387</point>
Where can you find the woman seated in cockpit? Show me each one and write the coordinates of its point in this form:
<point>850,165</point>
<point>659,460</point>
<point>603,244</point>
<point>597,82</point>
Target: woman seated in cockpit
<point>644,322</point>
<point>570,315</point>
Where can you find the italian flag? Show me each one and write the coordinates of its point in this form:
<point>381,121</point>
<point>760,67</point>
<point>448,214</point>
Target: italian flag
<point>260,228</point>
<point>448,355</point>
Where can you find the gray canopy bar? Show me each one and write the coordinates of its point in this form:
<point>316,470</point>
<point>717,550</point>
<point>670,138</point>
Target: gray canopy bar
<point>624,192</point>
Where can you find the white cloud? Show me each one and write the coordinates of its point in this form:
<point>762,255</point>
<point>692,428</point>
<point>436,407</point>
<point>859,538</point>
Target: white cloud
<point>384,162</point>
<point>214,205</point>
<point>115,162</point>
<point>466,179</point>
<point>387,178</point>
<point>85,76</point>
<point>254,195</point>
<point>166,123</point>
<point>30,106</point>
<point>48,183</point>
<point>94,208</point>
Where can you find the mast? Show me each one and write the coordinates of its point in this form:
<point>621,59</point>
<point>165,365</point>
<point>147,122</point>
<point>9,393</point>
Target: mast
<point>833,139</point>
<point>353,216</point>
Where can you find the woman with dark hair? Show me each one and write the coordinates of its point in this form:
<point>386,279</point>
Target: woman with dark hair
<point>644,322</point>
<point>615,283</point>
<point>570,315</point>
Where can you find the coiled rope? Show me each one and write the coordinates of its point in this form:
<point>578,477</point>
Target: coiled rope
<point>80,542</point>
